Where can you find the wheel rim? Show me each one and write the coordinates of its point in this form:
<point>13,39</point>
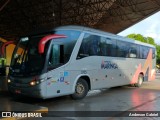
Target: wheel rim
<point>140,80</point>
<point>80,88</point>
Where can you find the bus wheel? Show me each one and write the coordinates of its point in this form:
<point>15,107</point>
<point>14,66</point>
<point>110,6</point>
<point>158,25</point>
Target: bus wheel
<point>140,81</point>
<point>81,89</point>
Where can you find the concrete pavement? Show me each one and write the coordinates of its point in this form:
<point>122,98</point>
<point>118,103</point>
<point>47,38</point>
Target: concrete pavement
<point>122,99</point>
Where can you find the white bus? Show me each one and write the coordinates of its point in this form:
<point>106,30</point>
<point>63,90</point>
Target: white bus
<point>71,60</point>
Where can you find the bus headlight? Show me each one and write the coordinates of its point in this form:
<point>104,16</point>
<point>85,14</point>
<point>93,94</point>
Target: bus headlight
<point>9,81</point>
<point>32,83</point>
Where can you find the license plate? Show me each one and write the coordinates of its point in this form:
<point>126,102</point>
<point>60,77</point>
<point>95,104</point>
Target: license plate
<point>17,84</point>
<point>17,91</point>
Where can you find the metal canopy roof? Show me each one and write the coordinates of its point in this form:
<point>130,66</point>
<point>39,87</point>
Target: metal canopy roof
<point>19,17</point>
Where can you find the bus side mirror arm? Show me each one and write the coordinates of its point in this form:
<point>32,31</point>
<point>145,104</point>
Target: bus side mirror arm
<point>47,38</point>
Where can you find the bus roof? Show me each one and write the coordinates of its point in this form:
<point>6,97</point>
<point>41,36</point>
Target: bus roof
<point>95,31</point>
<point>87,29</point>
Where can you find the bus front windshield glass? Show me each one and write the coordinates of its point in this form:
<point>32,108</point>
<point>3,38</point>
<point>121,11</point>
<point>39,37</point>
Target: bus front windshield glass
<point>26,60</point>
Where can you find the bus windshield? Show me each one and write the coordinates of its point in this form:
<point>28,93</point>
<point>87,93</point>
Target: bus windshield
<point>26,59</point>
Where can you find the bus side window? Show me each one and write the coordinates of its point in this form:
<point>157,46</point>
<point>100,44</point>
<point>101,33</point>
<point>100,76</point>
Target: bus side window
<point>83,51</point>
<point>111,47</point>
<point>153,53</point>
<point>133,51</point>
<point>122,49</point>
<point>89,46</point>
<point>107,47</point>
<point>144,52</point>
<point>103,46</point>
<point>54,55</point>
<point>94,46</point>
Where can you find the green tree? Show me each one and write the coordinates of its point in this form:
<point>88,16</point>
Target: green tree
<point>158,53</point>
<point>150,40</point>
<point>138,37</point>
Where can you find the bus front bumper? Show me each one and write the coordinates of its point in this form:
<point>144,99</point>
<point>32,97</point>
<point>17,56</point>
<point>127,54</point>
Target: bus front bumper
<point>33,91</point>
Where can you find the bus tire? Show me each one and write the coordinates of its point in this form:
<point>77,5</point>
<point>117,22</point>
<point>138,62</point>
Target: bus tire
<point>140,81</point>
<point>132,85</point>
<point>81,89</point>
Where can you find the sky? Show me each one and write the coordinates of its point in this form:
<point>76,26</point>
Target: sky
<point>149,27</point>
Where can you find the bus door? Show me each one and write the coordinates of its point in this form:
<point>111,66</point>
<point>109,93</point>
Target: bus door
<point>57,77</point>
